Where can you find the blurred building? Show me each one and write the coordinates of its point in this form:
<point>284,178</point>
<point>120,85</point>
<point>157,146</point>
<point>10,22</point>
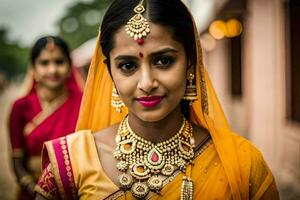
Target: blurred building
<point>252,52</point>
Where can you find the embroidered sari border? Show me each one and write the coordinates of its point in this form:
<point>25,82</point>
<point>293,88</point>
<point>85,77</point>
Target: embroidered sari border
<point>55,169</point>
<point>41,191</point>
<point>43,115</point>
<point>64,165</point>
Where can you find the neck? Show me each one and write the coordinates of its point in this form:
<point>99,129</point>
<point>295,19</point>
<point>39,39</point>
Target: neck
<point>157,131</point>
<point>48,94</point>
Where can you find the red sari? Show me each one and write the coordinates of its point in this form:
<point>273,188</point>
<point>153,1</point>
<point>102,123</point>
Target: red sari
<point>31,124</point>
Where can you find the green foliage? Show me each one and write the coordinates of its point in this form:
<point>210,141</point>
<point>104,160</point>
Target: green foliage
<point>81,22</point>
<point>13,58</point>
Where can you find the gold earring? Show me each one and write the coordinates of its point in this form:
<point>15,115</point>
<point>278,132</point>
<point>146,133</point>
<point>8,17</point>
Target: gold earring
<point>191,90</point>
<point>116,101</point>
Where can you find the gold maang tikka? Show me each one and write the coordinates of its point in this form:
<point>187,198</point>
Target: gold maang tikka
<point>191,89</point>
<point>138,27</point>
<point>50,43</point>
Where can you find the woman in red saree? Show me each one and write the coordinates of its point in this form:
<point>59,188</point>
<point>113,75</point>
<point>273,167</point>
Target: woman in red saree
<point>48,111</point>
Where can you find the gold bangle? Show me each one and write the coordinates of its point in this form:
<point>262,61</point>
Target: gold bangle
<point>18,153</point>
<point>25,180</point>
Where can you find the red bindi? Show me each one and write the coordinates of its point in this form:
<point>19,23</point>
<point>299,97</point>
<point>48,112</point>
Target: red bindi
<point>141,55</point>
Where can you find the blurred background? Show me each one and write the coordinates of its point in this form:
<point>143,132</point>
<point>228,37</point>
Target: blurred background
<point>251,50</point>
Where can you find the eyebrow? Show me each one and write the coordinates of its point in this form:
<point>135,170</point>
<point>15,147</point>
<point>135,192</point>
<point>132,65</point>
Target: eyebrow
<point>162,51</point>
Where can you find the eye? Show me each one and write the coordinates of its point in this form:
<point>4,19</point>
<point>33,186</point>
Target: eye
<point>59,61</point>
<point>163,61</point>
<point>43,62</point>
<point>127,67</point>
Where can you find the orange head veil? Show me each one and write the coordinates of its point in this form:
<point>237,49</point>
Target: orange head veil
<point>97,113</point>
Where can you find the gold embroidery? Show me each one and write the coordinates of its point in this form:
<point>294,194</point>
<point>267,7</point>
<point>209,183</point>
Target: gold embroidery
<point>55,170</point>
<point>68,166</point>
<point>46,185</point>
<point>44,114</point>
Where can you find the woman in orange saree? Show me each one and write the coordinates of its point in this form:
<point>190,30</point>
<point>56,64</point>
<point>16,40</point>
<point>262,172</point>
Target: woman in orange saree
<point>172,140</point>
<point>49,110</point>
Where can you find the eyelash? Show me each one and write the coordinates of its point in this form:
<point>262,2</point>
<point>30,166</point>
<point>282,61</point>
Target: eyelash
<point>57,62</point>
<point>128,67</point>
<point>170,60</point>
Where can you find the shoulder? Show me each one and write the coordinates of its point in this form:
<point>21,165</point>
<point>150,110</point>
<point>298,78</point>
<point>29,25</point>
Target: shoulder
<point>82,135</point>
<point>21,106</point>
<point>56,148</point>
<point>107,135</point>
<point>248,151</point>
<point>23,101</point>
<point>243,144</point>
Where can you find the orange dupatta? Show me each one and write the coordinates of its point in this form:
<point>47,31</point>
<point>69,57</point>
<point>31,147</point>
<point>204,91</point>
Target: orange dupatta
<point>96,114</point>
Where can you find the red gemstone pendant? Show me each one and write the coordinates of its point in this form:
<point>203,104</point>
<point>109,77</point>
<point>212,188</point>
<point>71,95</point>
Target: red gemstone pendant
<point>154,157</point>
<point>140,41</point>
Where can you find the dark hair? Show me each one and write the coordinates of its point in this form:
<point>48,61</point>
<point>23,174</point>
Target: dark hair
<point>41,44</point>
<point>172,14</point>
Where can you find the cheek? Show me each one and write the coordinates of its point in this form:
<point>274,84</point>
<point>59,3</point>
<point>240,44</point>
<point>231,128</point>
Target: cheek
<point>39,70</point>
<point>177,85</point>
<point>176,80</point>
<point>64,70</point>
<point>126,87</point>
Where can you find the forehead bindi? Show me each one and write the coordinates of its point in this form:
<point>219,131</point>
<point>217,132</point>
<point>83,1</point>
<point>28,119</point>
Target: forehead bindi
<point>158,37</point>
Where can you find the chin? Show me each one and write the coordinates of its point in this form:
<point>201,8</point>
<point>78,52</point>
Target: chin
<point>54,86</point>
<point>152,116</point>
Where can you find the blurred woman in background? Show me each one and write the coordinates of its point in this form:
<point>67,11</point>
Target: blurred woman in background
<point>49,109</point>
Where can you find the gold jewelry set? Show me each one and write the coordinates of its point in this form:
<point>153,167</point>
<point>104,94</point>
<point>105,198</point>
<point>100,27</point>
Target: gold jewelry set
<point>145,164</point>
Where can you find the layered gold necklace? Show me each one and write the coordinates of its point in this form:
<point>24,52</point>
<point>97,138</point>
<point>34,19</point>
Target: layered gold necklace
<point>144,164</point>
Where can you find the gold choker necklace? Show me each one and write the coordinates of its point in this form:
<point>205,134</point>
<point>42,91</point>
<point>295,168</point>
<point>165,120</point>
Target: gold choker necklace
<point>144,164</point>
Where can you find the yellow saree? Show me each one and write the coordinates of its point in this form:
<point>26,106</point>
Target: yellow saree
<point>228,168</point>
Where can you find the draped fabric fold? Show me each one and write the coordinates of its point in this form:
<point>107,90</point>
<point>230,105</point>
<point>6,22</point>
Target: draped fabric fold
<point>31,124</point>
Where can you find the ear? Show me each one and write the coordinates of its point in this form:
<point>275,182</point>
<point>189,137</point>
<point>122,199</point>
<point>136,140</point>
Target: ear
<point>190,70</point>
<point>70,70</point>
<point>35,74</point>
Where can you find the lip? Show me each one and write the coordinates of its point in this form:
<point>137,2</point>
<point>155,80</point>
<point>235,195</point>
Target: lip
<point>53,78</point>
<point>149,101</point>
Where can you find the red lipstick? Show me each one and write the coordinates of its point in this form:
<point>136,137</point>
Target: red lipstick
<point>149,101</point>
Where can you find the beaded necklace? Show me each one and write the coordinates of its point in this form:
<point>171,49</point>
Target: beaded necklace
<point>144,164</point>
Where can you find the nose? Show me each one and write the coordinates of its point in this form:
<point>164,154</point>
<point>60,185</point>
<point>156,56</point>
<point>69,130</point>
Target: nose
<point>147,81</point>
<point>52,68</point>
